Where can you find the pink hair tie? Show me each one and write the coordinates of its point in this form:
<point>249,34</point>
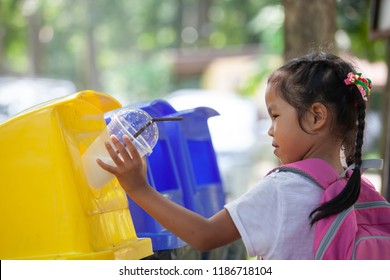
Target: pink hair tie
<point>363,84</point>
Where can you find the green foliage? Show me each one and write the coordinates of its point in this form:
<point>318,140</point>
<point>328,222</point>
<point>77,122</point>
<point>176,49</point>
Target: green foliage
<point>354,17</point>
<point>126,40</point>
<point>265,65</point>
<point>139,78</point>
<point>12,33</point>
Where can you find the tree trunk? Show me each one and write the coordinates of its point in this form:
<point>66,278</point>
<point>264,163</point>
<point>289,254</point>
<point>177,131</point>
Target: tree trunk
<point>309,26</point>
<point>385,149</point>
<point>178,22</point>
<point>92,78</point>
<point>2,49</point>
<point>203,20</point>
<point>34,45</point>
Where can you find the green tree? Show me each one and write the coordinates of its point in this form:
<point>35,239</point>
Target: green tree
<point>353,18</point>
<point>121,46</point>
<point>12,33</point>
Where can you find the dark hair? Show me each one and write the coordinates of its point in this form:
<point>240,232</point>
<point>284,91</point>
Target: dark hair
<point>319,77</point>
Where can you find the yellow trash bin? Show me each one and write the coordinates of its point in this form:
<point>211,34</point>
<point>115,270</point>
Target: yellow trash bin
<point>47,209</point>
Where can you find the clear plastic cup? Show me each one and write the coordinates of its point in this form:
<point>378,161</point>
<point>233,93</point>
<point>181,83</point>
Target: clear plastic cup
<point>135,123</point>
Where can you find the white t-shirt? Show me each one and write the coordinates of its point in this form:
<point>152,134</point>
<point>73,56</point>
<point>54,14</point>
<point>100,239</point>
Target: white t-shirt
<point>273,217</point>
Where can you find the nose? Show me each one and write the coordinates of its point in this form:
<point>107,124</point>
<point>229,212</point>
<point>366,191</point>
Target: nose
<point>271,131</point>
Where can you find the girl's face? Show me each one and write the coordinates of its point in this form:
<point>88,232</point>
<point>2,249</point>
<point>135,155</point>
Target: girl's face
<point>291,143</point>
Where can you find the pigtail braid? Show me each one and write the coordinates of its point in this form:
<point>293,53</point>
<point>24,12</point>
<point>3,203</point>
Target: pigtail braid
<point>360,133</point>
<point>350,194</point>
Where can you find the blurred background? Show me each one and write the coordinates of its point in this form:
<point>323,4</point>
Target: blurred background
<point>214,53</point>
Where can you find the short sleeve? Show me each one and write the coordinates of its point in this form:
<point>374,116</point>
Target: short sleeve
<point>257,215</point>
<point>273,217</point>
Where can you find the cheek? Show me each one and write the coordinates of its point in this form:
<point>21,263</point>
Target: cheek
<point>282,127</point>
<point>288,131</point>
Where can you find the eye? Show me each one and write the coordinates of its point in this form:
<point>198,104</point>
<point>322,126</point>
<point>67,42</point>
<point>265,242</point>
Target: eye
<point>274,116</point>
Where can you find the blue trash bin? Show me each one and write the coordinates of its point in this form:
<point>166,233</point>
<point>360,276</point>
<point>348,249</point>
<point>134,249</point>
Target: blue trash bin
<point>196,161</point>
<point>162,174</point>
<point>194,156</point>
<point>183,167</point>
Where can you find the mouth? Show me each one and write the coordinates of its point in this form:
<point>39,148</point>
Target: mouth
<point>276,147</point>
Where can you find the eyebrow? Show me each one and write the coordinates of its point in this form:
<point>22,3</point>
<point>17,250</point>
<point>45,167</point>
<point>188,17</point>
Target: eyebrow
<point>270,108</point>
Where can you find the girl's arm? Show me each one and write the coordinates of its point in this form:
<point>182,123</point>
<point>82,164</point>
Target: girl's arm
<point>201,233</point>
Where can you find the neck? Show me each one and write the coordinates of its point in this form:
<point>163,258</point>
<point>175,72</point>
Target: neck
<point>329,152</point>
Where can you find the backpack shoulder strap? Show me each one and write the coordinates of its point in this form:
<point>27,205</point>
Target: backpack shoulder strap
<point>321,172</point>
<point>315,169</point>
<point>366,164</point>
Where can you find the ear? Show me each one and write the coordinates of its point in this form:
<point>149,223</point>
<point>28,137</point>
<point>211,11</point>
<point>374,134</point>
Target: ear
<point>318,116</point>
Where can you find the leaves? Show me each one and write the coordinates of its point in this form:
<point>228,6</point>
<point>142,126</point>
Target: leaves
<point>123,44</point>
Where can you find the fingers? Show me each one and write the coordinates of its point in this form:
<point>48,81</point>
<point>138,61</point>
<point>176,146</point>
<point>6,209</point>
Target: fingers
<point>113,154</point>
<point>121,149</point>
<point>121,154</point>
<point>105,166</point>
<point>130,146</point>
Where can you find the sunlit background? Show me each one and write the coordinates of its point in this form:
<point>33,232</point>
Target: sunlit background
<point>215,53</point>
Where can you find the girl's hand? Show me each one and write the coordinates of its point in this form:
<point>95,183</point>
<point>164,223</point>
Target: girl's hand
<point>130,169</point>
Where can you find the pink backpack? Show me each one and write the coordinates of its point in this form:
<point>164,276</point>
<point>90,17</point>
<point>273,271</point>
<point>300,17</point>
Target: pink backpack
<point>360,232</point>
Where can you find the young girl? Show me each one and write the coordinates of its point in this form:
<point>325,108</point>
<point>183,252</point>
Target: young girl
<point>317,105</point>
